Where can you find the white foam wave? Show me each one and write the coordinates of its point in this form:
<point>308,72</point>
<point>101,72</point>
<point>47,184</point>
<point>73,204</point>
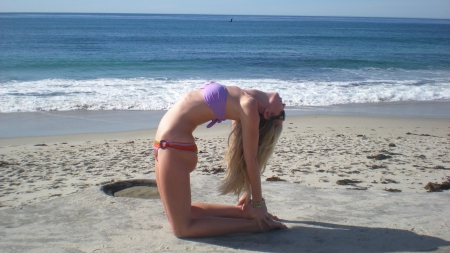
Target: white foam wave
<point>161,94</point>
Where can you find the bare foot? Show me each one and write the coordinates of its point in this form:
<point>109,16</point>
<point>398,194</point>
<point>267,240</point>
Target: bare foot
<point>271,224</point>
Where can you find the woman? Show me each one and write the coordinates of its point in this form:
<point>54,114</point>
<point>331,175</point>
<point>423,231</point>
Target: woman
<point>176,156</point>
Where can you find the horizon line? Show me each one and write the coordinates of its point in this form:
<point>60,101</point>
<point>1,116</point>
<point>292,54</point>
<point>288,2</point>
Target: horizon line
<point>277,15</point>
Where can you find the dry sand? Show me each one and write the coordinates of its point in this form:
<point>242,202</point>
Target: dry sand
<point>355,184</point>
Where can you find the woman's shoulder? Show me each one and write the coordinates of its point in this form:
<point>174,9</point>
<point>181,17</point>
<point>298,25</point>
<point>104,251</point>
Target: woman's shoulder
<point>241,96</point>
<point>248,102</point>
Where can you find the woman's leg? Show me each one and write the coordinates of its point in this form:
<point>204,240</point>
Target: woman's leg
<point>172,174</point>
<point>216,210</point>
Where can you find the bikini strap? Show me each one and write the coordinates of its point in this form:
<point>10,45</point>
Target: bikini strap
<point>213,122</point>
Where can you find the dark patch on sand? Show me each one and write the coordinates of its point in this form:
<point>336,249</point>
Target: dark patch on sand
<point>392,190</point>
<point>379,157</point>
<point>111,189</point>
<point>348,182</point>
<point>435,187</point>
<point>274,178</point>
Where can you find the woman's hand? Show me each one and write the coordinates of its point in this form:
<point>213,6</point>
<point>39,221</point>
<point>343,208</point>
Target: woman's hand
<point>242,200</point>
<point>266,221</point>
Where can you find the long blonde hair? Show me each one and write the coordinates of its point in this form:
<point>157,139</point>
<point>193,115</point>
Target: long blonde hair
<point>236,178</point>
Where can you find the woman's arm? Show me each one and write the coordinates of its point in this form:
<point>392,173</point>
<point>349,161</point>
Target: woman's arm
<point>250,136</point>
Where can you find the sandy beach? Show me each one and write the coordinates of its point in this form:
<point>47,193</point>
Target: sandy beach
<point>362,166</point>
<point>363,176</point>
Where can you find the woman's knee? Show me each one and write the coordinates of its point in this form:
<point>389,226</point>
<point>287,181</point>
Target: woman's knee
<point>181,230</point>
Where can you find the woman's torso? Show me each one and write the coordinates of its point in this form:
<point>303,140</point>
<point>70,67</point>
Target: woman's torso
<point>192,110</point>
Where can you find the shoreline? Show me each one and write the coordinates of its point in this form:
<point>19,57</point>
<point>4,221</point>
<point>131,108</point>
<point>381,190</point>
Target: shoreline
<point>34,124</point>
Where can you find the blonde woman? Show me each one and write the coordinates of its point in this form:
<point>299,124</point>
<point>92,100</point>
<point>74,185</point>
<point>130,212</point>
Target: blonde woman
<point>257,122</point>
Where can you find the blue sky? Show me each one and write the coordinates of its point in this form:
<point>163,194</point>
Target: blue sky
<point>360,8</point>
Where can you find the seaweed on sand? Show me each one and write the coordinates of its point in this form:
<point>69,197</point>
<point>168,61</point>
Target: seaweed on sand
<point>379,157</point>
<point>274,178</point>
<point>435,187</point>
<point>392,190</point>
<point>348,182</point>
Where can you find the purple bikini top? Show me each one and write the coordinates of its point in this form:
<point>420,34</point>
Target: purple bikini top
<point>215,96</point>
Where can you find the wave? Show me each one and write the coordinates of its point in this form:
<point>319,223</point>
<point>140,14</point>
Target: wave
<point>162,93</point>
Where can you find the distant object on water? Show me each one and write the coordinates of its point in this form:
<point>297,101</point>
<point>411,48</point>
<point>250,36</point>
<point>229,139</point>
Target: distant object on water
<point>231,20</point>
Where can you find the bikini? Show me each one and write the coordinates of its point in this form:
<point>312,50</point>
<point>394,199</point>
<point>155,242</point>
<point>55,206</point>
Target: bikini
<point>215,96</point>
<point>163,144</point>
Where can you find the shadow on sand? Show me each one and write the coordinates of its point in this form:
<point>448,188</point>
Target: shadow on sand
<point>327,237</point>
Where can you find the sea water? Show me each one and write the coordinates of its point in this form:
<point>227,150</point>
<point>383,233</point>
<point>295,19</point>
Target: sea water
<point>66,62</point>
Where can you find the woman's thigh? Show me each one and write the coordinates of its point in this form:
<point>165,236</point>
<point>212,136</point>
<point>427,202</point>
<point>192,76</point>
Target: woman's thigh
<point>172,174</point>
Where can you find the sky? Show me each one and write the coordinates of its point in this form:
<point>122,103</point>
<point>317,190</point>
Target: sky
<point>355,8</point>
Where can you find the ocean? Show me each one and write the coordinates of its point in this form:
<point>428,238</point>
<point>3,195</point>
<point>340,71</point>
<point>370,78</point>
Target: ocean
<point>67,62</point>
